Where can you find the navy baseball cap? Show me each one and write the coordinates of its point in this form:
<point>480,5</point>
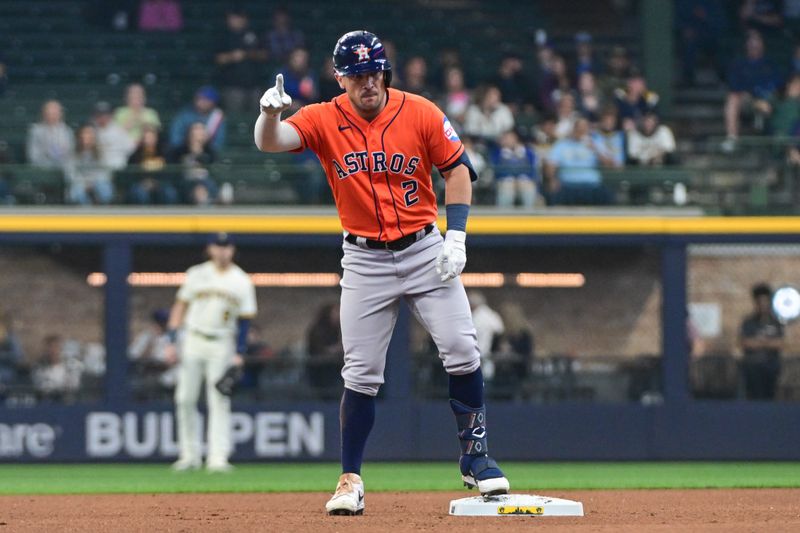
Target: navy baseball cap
<point>220,239</point>
<point>208,92</point>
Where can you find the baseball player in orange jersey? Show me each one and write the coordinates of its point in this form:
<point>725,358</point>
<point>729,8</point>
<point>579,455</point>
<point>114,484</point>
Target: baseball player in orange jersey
<point>378,146</point>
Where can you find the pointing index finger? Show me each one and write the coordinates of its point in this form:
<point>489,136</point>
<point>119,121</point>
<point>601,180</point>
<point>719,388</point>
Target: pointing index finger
<point>279,84</point>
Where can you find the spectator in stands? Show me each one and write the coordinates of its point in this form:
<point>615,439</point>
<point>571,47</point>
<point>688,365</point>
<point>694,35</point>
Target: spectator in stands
<point>160,15</point>
<point>455,100</point>
<point>135,114</point>
<point>752,77</point>
<point>447,58</point>
<point>114,142</point>
<point>585,58</point>
<point>554,84</point>
<point>205,111</point>
<point>572,170</point>
<point>415,78</point>
<point>147,351</point>
<point>566,115</point>
<point>515,172</point>
<point>512,82</point>
<point>544,137</point>
<point>609,141</point>
<point>325,352</point>
<point>298,78</point>
<point>488,328</point>
<point>88,175</point>
<point>54,376</point>
<point>150,158</point>
<point>328,86</point>
<point>783,113</point>
<point>12,358</point>
<point>195,156</point>
<point>588,99</point>
<point>652,143</point>
<point>50,142</point>
<point>764,16</point>
<point>541,71</point>
<point>282,38</point>
<point>634,101</point>
<point>761,340</point>
<point>490,117</point>
<point>701,24</point>
<point>239,61</point>
<point>616,74</point>
<point>3,76</point>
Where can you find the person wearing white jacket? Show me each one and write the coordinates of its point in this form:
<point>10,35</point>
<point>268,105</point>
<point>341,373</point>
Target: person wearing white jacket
<point>652,144</point>
<point>490,118</point>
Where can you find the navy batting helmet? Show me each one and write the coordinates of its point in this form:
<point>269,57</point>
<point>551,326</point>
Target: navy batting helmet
<point>360,51</point>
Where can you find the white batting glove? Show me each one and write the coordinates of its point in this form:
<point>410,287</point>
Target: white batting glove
<point>453,257</point>
<point>275,100</point>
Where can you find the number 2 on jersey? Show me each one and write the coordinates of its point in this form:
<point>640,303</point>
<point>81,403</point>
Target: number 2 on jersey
<point>411,187</point>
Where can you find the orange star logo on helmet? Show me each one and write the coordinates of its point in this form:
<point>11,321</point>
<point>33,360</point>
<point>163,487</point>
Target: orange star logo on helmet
<point>363,52</point>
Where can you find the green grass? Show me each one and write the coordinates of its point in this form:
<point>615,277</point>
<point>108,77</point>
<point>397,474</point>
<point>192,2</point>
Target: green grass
<point>88,479</point>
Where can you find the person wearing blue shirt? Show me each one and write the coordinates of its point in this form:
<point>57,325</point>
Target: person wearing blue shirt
<point>750,77</point>
<point>515,172</point>
<point>573,170</point>
<point>298,79</point>
<point>609,142</point>
<point>206,111</point>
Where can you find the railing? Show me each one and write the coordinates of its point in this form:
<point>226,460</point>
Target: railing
<point>756,178</point>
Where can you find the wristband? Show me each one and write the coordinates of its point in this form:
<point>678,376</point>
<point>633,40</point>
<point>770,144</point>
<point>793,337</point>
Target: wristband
<point>172,335</point>
<point>457,216</point>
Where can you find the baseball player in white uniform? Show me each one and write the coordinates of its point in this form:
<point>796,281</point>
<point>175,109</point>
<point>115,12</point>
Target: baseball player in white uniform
<point>213,308</point>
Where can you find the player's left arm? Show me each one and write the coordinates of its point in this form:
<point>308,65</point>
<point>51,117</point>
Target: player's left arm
<point>458,197</point>
<point>457,187</point>
<point>247,312</point>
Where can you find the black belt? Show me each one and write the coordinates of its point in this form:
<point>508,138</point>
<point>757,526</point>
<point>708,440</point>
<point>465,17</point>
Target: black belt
<point>400,244</point>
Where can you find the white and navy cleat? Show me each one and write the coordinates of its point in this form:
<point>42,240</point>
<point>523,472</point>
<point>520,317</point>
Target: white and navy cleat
<point>186,465</point>
<point>485,475</point>
<point>348,498</point>
<point>494,486</point>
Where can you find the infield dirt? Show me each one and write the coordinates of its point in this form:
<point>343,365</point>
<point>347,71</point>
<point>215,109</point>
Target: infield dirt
<point>773,510</point>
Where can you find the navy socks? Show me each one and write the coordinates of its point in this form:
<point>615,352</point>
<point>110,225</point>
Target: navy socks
<point>357,415</point>
<point>468,389</point>
<point>356,418</point>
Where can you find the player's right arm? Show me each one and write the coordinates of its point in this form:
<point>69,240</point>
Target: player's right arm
<point>271,134</point>
<point>176,315</point>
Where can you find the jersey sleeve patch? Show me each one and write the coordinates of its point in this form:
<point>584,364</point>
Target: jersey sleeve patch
<point>449,130</point>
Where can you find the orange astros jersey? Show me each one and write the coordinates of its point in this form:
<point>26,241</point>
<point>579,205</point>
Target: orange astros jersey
<point>380,171</point>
